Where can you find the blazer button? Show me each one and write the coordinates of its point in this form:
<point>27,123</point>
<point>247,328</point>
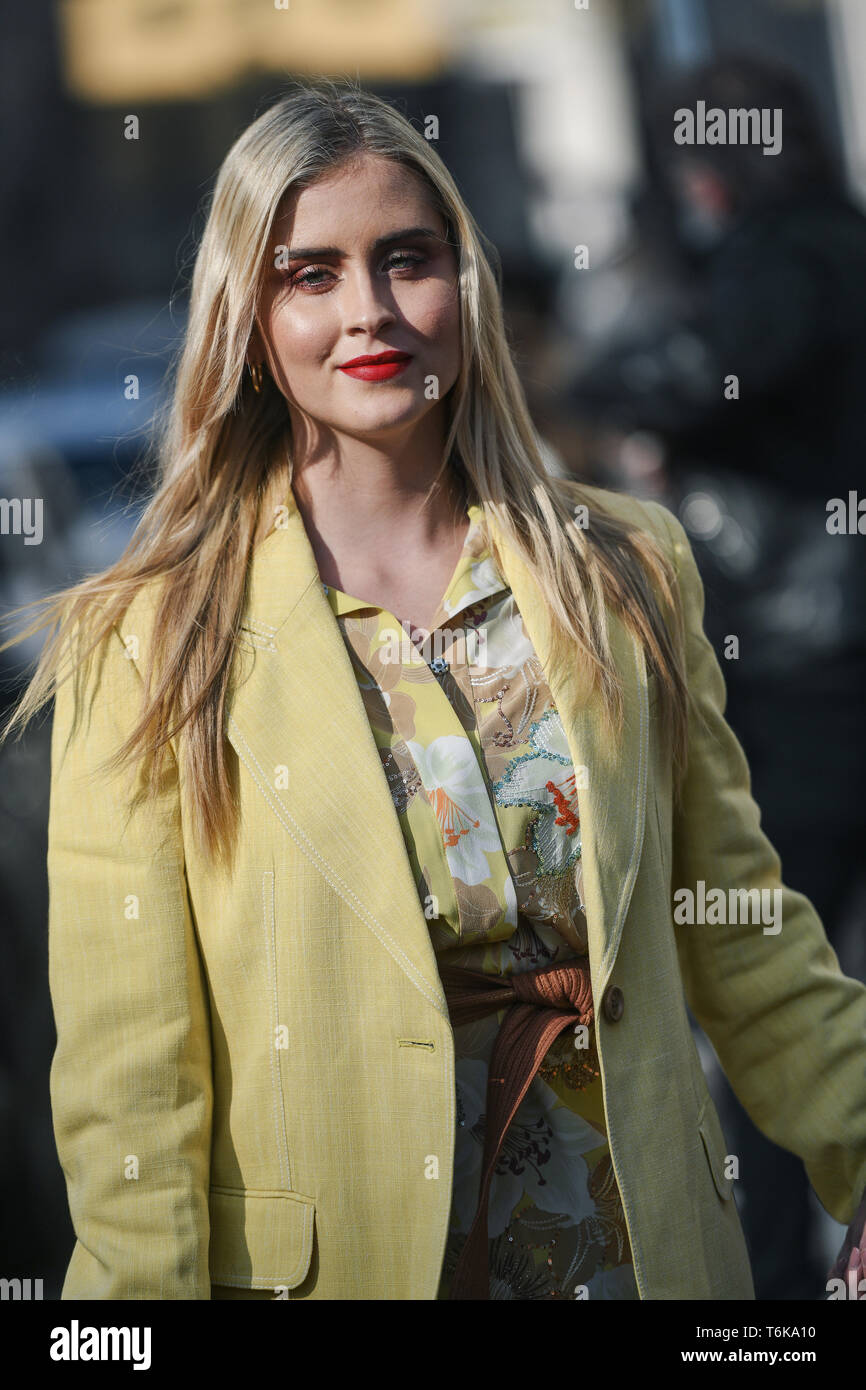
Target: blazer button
<point>613,1004</point>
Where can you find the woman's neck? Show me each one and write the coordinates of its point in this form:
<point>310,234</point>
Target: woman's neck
<point>364,507</point>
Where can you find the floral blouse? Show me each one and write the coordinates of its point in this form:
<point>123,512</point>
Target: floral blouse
<point>483,784</point>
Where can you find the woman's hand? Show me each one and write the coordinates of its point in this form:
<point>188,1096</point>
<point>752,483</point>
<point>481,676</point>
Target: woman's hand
<point>852,1256</point>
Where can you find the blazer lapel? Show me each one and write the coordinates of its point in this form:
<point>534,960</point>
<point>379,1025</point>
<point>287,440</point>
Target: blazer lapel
<point>296,719</point>
<point>324,782</point>
<point>613,801</point>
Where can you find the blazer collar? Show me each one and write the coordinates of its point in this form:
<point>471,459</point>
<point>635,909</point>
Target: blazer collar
<point>294,705</point>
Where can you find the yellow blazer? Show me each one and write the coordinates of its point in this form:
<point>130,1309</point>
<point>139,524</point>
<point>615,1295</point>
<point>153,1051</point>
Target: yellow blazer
<point>253,1084</point>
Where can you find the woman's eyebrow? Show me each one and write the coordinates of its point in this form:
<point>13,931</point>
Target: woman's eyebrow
<point>302,253</point>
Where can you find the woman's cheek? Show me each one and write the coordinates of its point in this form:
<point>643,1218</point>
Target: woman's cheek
<point>445,308</point>
<point>302,338</point>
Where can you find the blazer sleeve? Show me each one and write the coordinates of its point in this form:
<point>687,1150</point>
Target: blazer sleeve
<point>131,1088</point>
<point>789,1028</point>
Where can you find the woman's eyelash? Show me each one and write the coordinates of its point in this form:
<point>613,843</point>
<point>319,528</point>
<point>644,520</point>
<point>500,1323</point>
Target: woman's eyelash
<point>306,276</point>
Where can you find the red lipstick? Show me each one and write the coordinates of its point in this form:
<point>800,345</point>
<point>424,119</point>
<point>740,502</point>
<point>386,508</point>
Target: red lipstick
<point>380,367</point>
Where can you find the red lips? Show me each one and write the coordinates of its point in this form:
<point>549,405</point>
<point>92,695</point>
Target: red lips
<point>379,357</point>
<point>380,367</point>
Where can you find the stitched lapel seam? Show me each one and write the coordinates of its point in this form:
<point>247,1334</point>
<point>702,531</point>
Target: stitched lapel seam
<point>639,828</point>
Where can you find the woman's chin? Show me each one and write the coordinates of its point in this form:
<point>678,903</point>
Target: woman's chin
<point>382,422</point>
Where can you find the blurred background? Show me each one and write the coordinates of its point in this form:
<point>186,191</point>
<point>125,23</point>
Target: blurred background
<point>689,321</point>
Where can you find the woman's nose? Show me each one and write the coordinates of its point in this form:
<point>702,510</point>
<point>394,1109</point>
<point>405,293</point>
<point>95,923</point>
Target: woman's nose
<point>367,302</point>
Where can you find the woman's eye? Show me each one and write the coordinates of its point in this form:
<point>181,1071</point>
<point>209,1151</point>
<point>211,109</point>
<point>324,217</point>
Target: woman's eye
<point>308,277</point>
<point>409,258</point>
<point>397,260</point>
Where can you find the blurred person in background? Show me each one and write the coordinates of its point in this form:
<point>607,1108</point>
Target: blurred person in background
<point>774,275</point>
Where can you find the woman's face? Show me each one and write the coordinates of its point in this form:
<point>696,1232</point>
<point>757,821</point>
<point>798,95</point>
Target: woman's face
<point>366,272</point>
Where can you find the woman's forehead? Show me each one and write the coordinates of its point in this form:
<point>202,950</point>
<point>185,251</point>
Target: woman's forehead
<point>396,189</point>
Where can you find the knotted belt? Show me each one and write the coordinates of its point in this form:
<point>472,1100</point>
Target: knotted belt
<point>541,1004</point>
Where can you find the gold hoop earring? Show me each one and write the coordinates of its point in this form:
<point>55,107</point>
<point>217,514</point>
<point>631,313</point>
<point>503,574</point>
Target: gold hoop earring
<point>256,376</point>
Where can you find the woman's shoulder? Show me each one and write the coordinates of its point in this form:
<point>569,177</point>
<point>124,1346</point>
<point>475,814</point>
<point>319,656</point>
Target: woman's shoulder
<point>101,675</point>
<point>128,635</point>
<point>644,513</point>
<point>138,618</point>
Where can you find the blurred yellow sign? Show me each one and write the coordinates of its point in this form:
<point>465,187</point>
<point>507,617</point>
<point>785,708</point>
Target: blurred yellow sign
<point>120,51</point>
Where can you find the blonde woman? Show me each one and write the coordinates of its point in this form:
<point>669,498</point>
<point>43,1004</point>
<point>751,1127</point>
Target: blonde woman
<point>376,761</point>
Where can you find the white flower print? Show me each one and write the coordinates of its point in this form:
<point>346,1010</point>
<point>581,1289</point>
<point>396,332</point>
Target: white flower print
<point>506,648</point>
<point>455,788</point>
<point>510,895</point>
<point>561,1137</point>
<point>484,578</point>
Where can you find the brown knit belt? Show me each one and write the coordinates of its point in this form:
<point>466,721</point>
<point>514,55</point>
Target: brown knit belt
<point>541,1004</point>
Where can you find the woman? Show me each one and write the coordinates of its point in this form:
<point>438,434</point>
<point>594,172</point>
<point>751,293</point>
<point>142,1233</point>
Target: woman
<point>369,794</point>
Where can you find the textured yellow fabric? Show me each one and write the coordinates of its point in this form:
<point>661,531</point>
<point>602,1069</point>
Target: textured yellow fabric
<point>254,1082</point>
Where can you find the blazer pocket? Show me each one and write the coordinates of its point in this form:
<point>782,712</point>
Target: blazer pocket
<point>260,1240</point>
<point>714,1147</point>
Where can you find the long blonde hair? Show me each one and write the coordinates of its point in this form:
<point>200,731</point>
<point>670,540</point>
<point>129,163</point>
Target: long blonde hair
<point>219,447</point>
